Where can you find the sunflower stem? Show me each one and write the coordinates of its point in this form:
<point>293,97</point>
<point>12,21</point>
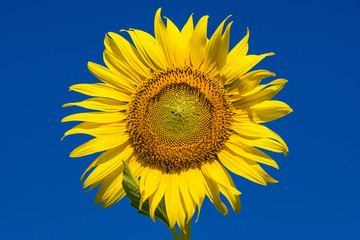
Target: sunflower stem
<point>174,233</point>
<point>187,234</point>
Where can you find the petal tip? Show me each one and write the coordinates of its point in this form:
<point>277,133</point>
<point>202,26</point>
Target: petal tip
<point>158,13</point>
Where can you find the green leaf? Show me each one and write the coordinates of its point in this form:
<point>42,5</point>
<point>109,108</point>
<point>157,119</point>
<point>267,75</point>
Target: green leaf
<point>132,189</point>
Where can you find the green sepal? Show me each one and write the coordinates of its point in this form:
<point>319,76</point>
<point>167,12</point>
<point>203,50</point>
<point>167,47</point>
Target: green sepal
<point>132,189</point>
<point>228,86</point>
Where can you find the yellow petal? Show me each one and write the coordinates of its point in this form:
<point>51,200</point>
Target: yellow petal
<point>149,49</point>
<point>97,117</point>
<point>156,197</point>
<point>178,42</point>
<point>149,185</point>
<point>187,30</point>
<point>106,167</point>
<point>144,173</point>
<point>254,130</point>
<point>104,185</point>
<point>239,50</point>
<point>188,202</point>
<point>239,166</point>
<point>186,33</point>
<point>168,38</point>
<point>234,200</point>
<point>124,73</point>
<point>196,187</point>
<point>152,182</point>
<point>181,213</point>
<point>110,157</point>
<point>235,144</point>
<point>261,95</point>
<point>111,77</point>
<point>101,90</point>
<point>252,170</point>
<point>217,48</point>
<point>198,42</point>
<point>120,46</point>
<point>263,112</point>
<point>99,144</point>
<point>249,81</point>
<point>171,199</point>
<point>241,65</point>
<point>261,171</point>
<point>265,143</point>
<point>101,104</point>
<point>212,191</point>
<point>96,129</point>
<point>226,185</point>
<point>114,192</point>
<point>261,87</point>
<point>214,171</point>
<point>135,165</point>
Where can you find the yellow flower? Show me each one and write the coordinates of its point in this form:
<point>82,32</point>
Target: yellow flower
<point>178,109</point>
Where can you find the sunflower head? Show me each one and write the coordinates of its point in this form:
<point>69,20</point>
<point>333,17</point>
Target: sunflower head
<point>163,108</point>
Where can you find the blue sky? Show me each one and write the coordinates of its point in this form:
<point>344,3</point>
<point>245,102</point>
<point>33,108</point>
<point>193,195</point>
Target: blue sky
<point>45,47</point>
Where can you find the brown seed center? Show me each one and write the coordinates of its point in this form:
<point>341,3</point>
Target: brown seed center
<point>179,119</point>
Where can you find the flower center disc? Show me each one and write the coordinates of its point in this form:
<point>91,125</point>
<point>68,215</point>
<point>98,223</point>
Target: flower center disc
<point>179,119</point>
<point>179,115</point>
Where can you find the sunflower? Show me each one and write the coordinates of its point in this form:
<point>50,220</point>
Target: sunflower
<point>179,109</point>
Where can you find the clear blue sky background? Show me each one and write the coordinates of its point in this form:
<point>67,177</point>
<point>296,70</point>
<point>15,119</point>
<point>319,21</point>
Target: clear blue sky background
<point>44,49</point>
